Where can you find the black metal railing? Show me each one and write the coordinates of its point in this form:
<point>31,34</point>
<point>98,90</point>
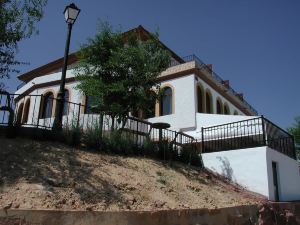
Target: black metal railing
<point>215,76</point>
<point>247,134</point>
<point>32,111</point>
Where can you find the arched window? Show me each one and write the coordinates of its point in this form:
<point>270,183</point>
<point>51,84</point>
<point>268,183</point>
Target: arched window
<point>66,102</point>
<point>19,113</point>
<point>166,102</point>
<point>200,99</point>
<point>208,101</point>
<point>26,111</point>
<point>219,107</point>
<point>226,110</point>
<point>47,105</point>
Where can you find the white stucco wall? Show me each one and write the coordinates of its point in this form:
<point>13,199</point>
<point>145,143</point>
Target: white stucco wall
<point>206,120</point>
<point>185,101</point>
<point>44,79</point>
<point>252,168</point>
<point>246,167</point>
<point>215,95</point>
<point>185,115</point>
<point>184,107</point>
<point>288,176</point>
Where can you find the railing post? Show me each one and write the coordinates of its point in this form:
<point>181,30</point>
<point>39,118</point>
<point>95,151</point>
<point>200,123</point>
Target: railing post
<point>78,116</point>
<point>264,130</point>
<point>40,112</point>
<point>202,139</point>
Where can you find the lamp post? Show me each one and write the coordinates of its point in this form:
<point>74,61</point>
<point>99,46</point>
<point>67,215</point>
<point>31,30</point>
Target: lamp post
<point>71,12</point>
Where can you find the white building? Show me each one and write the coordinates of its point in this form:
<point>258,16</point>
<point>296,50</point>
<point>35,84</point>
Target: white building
<point>195,97</point>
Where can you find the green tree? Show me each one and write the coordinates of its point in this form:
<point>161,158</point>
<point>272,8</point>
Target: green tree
<point>120,71</point>
<point>17,20</point>
<point>295,131</point>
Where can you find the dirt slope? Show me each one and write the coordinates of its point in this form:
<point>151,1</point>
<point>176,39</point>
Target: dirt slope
<point>46,175</point>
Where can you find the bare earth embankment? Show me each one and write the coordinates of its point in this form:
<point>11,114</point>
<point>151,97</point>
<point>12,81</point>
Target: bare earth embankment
<point>47,175</point>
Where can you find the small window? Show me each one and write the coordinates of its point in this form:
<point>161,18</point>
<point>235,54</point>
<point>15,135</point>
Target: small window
<point>166,102</point>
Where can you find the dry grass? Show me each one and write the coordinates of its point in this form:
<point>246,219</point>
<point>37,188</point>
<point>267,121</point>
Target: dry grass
<point>46,175</point>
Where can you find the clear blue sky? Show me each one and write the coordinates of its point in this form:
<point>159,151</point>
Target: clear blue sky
<point>253,43</point>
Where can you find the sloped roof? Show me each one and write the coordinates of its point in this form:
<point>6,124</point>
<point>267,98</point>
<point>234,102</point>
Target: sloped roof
<point>58,63</point>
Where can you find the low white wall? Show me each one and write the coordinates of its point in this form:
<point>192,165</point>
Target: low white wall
<point>207,120</point>
<point>246,167</point>
<point>252,168</point>
<point>288,174</point>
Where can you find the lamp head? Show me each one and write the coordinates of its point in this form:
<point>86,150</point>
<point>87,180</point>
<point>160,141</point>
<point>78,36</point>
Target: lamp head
<point>71,12</point>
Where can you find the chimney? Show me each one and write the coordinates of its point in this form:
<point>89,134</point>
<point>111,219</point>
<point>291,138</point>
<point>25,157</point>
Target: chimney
<point>226,83</point>
<point>240,96</point>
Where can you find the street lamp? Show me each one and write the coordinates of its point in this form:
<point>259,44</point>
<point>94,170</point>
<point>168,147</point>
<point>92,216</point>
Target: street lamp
<point>71,12</point>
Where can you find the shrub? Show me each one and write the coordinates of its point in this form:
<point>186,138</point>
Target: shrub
<point>119,142</point>
<point>149,148</point>
<point>190,155</point>
<point>93,136</point>
<point>72,135</point>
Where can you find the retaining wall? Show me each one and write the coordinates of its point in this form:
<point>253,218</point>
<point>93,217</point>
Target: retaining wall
<point>240,215</point>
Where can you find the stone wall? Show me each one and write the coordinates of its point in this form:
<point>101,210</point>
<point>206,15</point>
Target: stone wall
<point>267,214</point>
<point>240,215</point>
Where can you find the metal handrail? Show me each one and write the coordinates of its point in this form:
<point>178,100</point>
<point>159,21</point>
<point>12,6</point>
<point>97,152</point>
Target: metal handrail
<point>249,133</point>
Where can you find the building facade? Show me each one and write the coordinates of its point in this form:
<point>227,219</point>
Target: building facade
<point>194,97</point>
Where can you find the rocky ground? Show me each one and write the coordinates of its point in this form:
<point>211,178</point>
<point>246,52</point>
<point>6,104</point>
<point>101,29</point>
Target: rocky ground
<point>47,175</point>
